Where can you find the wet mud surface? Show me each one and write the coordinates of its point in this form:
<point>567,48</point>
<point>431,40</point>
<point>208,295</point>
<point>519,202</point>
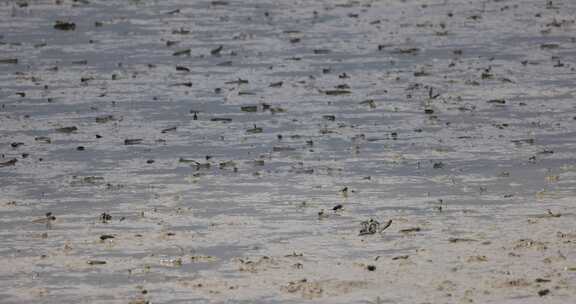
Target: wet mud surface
<point>256,151</point>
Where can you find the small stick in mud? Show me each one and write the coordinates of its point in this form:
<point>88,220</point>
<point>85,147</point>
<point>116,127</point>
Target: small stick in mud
<point>461,240</point>
<point>64,25</point>
<point>47,219</point>
<point>9,61</point>
<point>11,162</point>
<point>216,51</point>
<point>132,141</point>
<point>106,237</point>
<point>67,130</point>
<point>410,230</point>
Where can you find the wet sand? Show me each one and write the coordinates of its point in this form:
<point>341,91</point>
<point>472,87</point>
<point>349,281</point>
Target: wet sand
<point>229,151</point>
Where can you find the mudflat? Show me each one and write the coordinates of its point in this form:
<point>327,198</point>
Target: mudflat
<point>287,151</point>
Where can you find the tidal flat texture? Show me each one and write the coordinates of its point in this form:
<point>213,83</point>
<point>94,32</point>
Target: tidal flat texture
<point>267,151</point>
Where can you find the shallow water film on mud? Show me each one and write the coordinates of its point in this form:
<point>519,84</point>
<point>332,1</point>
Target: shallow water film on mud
<point>326,151</point>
